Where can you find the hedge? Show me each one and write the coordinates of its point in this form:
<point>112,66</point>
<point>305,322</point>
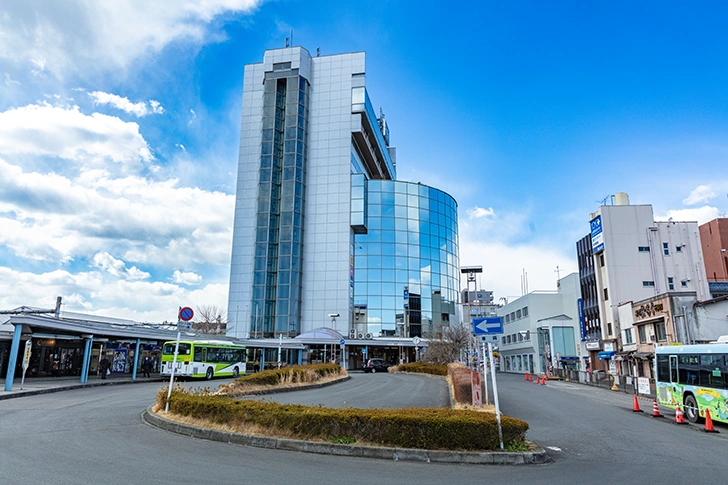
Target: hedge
<point>425,428</point>
<point>461,383</point>
<point>294,374</point>
<point>423,368</point>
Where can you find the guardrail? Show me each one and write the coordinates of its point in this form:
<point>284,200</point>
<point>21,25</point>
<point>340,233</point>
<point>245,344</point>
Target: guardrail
<point>624,383</point>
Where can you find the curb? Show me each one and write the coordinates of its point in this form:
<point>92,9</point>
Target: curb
<point>19,393</point>
<point>320,447</point>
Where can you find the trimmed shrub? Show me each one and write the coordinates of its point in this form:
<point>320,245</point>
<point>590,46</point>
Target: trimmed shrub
<point>461,383</point>
<point>426,428</point>
<point>296,373</point>
<point>423,368</point>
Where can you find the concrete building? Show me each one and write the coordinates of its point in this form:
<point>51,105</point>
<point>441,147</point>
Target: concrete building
<point>634,258</point>
<point>714,240</point>
<point>324,235</point>
<point>542,329</point>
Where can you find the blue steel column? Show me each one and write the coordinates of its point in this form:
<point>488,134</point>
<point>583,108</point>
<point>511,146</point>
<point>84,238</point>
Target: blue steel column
<point>88,345</point>
<point>300,356</point>
<point>13,358</point>
<point>136,359</point>
<point>262,359</point>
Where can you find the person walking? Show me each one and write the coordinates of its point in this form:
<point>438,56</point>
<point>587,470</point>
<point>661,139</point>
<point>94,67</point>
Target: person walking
<point>104,366</point>
<point>147,367</point>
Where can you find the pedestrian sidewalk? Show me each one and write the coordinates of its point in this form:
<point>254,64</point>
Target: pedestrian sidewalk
<point>44,385</point>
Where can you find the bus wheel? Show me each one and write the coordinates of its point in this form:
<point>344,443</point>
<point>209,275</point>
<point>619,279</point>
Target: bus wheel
<point>691,409</point>
<point>236,372</point>
<point>209,373</point>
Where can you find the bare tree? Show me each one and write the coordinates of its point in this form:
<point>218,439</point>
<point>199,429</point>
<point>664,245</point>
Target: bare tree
<point>448,347</point>
<point>210,319</point>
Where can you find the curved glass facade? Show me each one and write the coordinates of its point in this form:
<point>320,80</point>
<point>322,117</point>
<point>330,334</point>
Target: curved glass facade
<point>406,276</point>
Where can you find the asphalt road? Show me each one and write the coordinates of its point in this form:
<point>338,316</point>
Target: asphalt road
<point>96,436</point>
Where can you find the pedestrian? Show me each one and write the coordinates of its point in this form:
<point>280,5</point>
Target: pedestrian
<point>147,367</point>
<point>104,366</point>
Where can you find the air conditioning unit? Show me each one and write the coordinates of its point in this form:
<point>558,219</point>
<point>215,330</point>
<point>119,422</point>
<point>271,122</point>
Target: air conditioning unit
<point>369,336</point>
<point>360,336</point>
<point>352,333</point>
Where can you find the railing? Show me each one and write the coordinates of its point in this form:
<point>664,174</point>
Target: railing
<point>624,383</point>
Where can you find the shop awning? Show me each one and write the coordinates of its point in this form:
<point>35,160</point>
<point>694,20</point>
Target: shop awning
<point>642,355</point>
<point>606,355</point>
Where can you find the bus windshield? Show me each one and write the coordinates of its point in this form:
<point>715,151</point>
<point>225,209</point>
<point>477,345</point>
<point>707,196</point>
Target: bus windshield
<point>184,349</point>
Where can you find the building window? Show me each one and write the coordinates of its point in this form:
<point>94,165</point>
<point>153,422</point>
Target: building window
<point>660,331</point>
<point>508,318</point>
<point>518,313</point>
<point>520,337</point>
<point>644,249</point>
<point>678,249</point>
<point>601,260</point>
<point>528,335</point>
<point>670,283</point>
<point>606,294</point>
<point>643,334</point>
<point>666,249</point>
<point>684,283</point>
<point>525,311</point>
<point>508,339</point>
<point>648,284</point>
<point>513,316</point>
<point>628,336</point>
<point>503,339</point>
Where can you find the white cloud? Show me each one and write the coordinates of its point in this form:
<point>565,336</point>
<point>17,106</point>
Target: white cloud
<point>701,194</point>
<point>42,129</point>
<point>118,268</point>
<point>75,35</point>
<point>478,212</point>
<point>46,216</point>
<point>186,278</point>
<point>139,109</point>
<point>701,215</point>
<point>9,81</point>
<point>100,293</point>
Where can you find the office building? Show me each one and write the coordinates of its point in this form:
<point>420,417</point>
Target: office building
<point>714,240</point>
<point>324,233</point>
<point>634,258</point>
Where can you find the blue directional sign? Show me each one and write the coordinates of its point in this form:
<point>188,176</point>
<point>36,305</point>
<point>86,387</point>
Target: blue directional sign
<point>342,341</point>
<point>488,326</point>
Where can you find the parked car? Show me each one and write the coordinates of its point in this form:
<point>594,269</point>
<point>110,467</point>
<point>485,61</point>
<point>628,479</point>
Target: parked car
<point>376,365</point>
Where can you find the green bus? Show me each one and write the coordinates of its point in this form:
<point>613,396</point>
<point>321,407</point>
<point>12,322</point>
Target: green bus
<point>204,358</point>
<point>694,377</point>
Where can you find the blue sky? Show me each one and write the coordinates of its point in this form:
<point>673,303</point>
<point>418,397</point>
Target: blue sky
<point>119,130</point>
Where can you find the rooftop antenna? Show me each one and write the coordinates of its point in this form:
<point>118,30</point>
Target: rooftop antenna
<point>291,37</point>
<point>318,51</point>
<point>558,272</point>
<point>287,42</point>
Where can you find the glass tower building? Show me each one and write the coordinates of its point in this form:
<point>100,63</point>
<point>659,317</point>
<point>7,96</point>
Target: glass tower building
<point>322,227</point>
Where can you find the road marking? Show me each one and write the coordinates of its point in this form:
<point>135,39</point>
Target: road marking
<point>554,448</point>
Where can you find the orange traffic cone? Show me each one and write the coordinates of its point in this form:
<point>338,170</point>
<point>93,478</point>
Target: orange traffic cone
<point>656,410</point>
<point>636,406</point>
<point>543,380</point>
<point>709,423</point>
<point>546,377</point>
<point>679,416</point>
<point>525,376</point>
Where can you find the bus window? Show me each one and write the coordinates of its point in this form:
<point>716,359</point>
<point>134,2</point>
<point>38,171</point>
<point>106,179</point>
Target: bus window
<point>713,371</point>
<point>199,354</point>
<point>689,369</point>
<point>184,349</point>
<point>673,369</point>
<point>663,368</point>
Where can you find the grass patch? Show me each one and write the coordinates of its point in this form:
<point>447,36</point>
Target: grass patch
<point>285,377</point>
<point>422,368</point>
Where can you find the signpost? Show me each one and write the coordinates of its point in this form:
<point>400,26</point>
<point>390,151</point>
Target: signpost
<point>417,341</point>
<point>342,342</point>
<point>491,327</point>
<point>183,323</point>
<point>26,360</point>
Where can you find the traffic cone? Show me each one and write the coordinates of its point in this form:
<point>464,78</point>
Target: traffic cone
<point>525,378</point>
<point>636,406</point>
<point>709,423</point>
<point>656,410</point>
<point>679,416</point>
<point>543,380</point>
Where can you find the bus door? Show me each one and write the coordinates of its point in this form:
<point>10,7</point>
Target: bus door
<point>673,370</point>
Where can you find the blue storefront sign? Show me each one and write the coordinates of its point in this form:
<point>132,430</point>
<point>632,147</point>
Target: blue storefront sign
<point>582,323</point>
<point>596,234</point>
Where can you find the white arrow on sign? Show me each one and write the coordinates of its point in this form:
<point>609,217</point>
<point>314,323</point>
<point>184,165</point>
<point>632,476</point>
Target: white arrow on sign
<point>488,327</point>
